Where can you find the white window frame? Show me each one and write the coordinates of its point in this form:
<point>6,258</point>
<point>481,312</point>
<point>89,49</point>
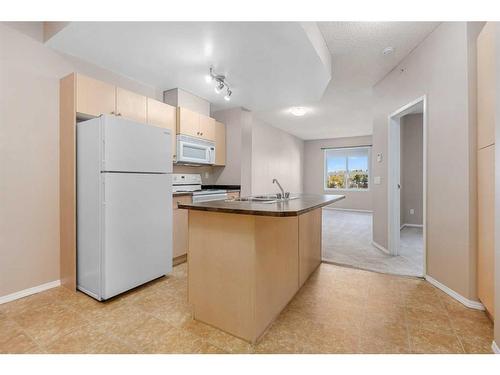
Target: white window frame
<point>325,167</point>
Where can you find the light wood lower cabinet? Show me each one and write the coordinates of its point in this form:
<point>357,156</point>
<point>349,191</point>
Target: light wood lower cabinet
<point>130,105</point>
<point>180,227</point>
<point>486,230</point>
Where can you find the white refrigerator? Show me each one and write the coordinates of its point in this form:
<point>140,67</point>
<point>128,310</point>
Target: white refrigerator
<point>124,205</point>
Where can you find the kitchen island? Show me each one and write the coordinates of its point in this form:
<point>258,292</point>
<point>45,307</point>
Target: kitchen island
<point>247,259</point>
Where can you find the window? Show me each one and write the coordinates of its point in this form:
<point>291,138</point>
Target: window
<point>347,168</point>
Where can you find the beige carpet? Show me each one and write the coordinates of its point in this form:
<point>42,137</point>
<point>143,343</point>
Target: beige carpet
<point>347,238</point>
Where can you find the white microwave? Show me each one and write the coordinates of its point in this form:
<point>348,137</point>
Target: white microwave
<point>191,150</point>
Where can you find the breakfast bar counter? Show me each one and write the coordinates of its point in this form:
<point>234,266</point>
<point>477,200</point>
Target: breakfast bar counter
<point>247,259</point>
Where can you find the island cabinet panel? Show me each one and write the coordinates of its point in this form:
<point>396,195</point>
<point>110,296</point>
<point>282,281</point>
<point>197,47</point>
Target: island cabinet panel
<point>130,105</point>
<point>309,243</point>
<point>93,97</point>
<point>276,266</point>
<point>243,270</point>
<point>221,273</point>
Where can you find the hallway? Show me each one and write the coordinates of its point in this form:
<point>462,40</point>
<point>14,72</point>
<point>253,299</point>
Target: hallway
<point>347,240</point>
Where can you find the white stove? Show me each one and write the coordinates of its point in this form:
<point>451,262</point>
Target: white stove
<point>185,182</point>
<point>192,183</point>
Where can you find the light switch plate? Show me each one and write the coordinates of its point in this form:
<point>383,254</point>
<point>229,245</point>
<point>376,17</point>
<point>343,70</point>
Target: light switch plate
<point>412,211</point>
<point>376,180</point>
<point>379,157</point>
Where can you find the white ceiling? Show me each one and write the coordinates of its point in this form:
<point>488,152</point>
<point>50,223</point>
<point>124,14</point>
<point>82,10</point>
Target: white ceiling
<point>271,66</point>
<point>358,64</point>
<point>267,64</point>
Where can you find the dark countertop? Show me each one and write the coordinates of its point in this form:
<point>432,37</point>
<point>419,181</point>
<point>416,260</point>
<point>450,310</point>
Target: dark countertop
<point>293,207</point>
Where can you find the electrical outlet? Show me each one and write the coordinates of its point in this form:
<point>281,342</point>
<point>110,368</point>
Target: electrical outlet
<point>412,211</point>
<point>207,175</point>
<point>376,180</point>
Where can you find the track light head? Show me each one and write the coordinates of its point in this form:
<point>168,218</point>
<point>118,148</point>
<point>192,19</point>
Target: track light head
<point>227,97</point>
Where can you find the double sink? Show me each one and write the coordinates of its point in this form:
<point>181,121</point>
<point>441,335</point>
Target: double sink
<point>268,198</point>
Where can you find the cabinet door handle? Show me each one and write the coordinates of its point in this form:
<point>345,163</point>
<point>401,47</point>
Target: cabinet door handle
<point>118,114</point>
<point>112,112</point>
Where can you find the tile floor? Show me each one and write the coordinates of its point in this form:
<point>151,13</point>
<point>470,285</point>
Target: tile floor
<point>339,310</point>
<point>347,240</point>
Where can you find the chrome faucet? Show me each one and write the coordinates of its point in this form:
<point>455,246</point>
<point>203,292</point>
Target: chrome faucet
<point>275,181</point>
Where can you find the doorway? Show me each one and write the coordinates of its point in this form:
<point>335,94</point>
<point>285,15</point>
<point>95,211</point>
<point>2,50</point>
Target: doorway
<point>407,176</point>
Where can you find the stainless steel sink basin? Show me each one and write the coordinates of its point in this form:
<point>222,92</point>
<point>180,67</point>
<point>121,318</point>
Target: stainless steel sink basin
<point>268,198</point>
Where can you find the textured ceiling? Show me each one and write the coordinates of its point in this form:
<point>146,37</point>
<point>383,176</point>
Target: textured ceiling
<point>358,64</point>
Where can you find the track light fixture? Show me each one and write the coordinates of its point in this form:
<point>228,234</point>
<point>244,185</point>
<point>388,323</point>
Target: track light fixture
<point>220,83</point>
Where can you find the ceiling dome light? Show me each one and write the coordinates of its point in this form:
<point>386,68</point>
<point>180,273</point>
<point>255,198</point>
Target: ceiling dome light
<point>387,51</point>
<point>227,97</point>
<point>298,111</point>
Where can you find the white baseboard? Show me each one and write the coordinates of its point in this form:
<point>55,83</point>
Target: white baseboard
<point>29,291</point>
<point>467,302</point>
<point>412,225</point>
<point>495,347</point>
<point>347,209</point>
<point>381,248</point>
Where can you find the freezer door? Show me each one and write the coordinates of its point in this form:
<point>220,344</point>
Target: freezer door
<point>137,230</point>
<point>134,147</point>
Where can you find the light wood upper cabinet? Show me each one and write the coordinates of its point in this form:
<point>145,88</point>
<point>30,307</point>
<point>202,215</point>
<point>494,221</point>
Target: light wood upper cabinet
<point>486,86</point>
<point>188,122</point>
<point>94,97</point>
<point>207,128</point>
<point>164,116</point>
<point>130,105</point>
<point>220,143</point>
<point>195,125</point>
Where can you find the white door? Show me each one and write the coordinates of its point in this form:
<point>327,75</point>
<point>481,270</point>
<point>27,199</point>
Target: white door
<point>137,230</point>
<point>134,147</point>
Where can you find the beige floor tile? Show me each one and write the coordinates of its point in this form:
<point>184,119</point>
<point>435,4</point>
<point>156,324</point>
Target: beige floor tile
<point>48,322</point>
<point>87,340</point>
<point>424,319</point>
<point>339,310</point>
<point>19,344</point>
<point>176,341</point>
<point>429,342</point>
<point>144,333</point>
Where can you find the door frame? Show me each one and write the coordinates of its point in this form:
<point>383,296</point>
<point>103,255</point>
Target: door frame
<point>394,172</point>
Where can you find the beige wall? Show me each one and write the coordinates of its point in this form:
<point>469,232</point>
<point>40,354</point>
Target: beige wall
<point>275,154</point>
<point>314,171</point>
<point>411,169</point>
<point>29,153</point>
<point>441,68</point>
<point>257,153</point>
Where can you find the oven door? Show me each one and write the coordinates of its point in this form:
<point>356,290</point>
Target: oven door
<point>192,152</point>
